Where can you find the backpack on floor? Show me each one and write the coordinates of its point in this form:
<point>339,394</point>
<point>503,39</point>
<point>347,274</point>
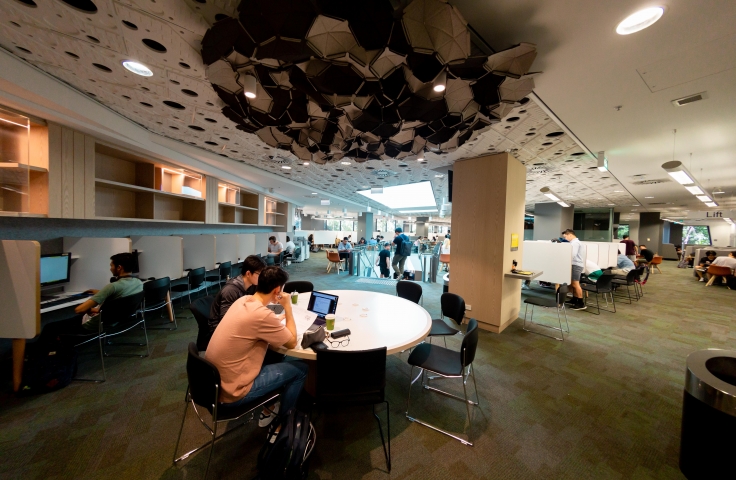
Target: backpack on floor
<point>286,458</point>
<point>408,275</point>
<point>48,367</point>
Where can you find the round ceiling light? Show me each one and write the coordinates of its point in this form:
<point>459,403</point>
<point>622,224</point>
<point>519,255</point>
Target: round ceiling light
<point>345,163</point>
<point>639,20</point>
<point>137,68</point>
<point>286,167</point>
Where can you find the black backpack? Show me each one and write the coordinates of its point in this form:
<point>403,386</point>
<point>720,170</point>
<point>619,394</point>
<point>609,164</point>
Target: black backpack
<point>286,458</point>
<point>48,367</point>
<point>405,248</point>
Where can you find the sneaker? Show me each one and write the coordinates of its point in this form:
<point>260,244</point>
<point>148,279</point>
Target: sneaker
<point>701,280</point>
<point>579,306</point>
<point>265,420</point>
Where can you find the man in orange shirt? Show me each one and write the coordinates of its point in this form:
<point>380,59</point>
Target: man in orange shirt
<point>240,341</point>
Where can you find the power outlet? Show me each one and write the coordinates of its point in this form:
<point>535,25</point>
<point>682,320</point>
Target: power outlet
<point>468,307</point>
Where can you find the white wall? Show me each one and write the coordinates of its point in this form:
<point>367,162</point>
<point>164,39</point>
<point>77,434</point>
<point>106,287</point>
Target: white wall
<point>720,233</point>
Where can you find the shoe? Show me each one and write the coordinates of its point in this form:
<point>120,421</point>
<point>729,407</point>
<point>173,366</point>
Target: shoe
<point>396,276</point>
<point>265,420</point>
<point>579,306</point>
<point>701,280</point>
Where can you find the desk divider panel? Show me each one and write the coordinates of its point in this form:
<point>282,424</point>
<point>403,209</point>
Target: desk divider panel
<point>591,253</point>
<point>20,288</point>
<point>246,245</point>
<point>554,259</point>
<point>199,251</point>
<point>159,256</point>
<point>621,247</point>
<point>261,242</point>
<point>90,266</point>
<point>226,248</point>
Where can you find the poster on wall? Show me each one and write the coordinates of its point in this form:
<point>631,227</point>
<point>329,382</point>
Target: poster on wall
<point>514,242</point>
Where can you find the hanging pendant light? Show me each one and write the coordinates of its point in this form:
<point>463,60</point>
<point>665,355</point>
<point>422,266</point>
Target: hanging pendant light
<point>249,86</point>
<point>440,82</point>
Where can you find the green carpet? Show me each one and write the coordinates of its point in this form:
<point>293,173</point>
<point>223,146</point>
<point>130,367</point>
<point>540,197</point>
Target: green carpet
<point>603,404</point>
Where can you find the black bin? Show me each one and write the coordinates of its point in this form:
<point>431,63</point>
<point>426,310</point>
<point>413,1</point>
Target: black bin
<point>708,435</point>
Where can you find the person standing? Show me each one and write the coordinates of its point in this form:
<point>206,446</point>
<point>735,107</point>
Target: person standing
<point>578,266</point>
<point>384,260</point>
<point>631,250</point>
<point>403,251</point>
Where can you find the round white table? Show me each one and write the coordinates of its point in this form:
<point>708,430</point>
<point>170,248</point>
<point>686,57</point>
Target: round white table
<point>375,320</point>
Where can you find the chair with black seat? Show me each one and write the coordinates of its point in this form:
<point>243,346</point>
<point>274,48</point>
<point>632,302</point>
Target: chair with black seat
<point>448,364</point>
<point>558,303</point>
<point>643,278</point>
<point>224,271</point>
<point>204,392</point>
<point>201,309</point>
<point>297,255</point>
<point>195,279</point>
<point>602,287</point>
<point>409,290</point>
<point>628,281</point>
<point>119,316</point>
<point>452,306</point>
<point>362,381</point>
<point>299,286</point>
<point>157,295</point>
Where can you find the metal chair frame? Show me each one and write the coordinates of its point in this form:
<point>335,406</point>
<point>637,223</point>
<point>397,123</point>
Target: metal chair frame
<point>163,326</point>
<point>224,271</point>
<point>628,283</point>
<point>189,289</point>
<point>560,297</point>
<point>597,302</point>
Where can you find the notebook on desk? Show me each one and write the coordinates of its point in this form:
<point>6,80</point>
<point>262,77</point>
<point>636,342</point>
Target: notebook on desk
<point>322,304</point>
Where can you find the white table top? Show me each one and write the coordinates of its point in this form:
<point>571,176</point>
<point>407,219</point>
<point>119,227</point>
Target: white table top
<point>375,320</point>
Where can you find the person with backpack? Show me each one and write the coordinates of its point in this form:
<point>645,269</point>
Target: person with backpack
<point>403,251</point>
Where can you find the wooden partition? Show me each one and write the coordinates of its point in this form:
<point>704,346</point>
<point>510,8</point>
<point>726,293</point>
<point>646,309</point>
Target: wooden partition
<point>199,251</point>
<point>90,267</point>
<point>159,256</point>
<point>20,288</point>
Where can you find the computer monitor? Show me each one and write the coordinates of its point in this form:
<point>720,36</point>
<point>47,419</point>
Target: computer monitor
<point>322,303</point>
<point>55,268</point>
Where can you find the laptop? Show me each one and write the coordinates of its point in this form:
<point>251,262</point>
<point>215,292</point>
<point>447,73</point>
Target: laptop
<point>322,304</point>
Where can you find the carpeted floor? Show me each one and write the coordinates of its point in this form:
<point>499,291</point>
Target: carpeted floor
<point>605,403</point>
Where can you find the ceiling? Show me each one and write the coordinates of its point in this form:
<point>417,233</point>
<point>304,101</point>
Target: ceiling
<point>587,70</point>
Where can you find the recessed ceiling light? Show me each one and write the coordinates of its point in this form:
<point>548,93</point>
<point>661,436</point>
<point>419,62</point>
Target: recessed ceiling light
<point>618,191</point>
<point>286,167</point>
<point>306,164</point>
<point>640,20</point>
<point>611,204</point>
<point>648,197</point>
<point>344,163</point>
<point>635,205</point>
<point>314,193</point>
<point>137,68</point>
<point>438,176</point>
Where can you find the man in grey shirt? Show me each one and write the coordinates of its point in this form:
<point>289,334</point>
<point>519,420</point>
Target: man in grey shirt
<point>578,265</point>
<point>243,284</point>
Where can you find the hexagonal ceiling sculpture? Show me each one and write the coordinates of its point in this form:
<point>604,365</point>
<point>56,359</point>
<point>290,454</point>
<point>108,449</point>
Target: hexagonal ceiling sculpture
<point>356,79</point>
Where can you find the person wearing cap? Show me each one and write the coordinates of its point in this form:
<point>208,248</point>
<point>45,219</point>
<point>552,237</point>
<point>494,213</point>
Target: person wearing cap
<point>399,260</point>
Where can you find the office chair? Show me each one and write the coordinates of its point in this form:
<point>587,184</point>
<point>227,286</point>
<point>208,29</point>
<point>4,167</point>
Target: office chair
<point>558,303</point>
<point>203,393</point>
<point>452,306</point>
<point>117,320</point>
<point>362,377</point>
<point>629,281</point>
<point>409,290</point>
<point>447,364</point>
<point>300,286</point>
<point>157,295</point>
<point>201,309</point>
<point>195,279</point>
<point>602,286</point>
<point>224,271</point>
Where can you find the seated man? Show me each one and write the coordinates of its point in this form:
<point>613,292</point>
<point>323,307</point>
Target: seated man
<point>289,248</point>
<point>344,248</point>
<point>274,246</point>
<point>646,253</point>
<point>729,261</point>
<point>86,321</point>
<point>243,284</point>
<point>704,263</point>
<point>239,344</point>
<point>623,265</point>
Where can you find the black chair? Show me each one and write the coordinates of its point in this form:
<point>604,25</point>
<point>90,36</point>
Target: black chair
<point>157,295</point>
<point>201,309</point>
<point>409,290</point>
<point>642,280</point>
<point>628,281</point>
<point>300,286</point>
<point>558,303</point>
<point>195,279</point>
<point>297,255</point>
<point>224,271</point>
<point>448,364</point>
<point>362,381</point>
<point>452,306</point>
<point>602,286</point>
<point>204,392</point>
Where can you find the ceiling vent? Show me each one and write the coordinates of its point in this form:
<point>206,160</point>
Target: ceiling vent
<point>654,181</point>
<point>383,173</point>
<point>539,170</point>
<point>279,160</point>
<point>680,102</point>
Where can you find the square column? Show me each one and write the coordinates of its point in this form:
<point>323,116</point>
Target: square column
<point>365,226</point>
<point>487,208</point>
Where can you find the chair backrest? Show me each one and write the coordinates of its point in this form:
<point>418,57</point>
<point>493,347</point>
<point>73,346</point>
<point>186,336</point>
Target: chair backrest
<point>632,275</point>
<point>470,343</point>
<point>196,277</point>
<point>201,308</point>
<point>656,260</point>
<point>301,286</point>
<point>297,252</point>
<point>122,308</point>
<point>270,260</point>
<point>333,256</point>
<point>444,258</point>
<point>203,377</point>
<point>453,306</point>
<point>351,375</point>
<point>155,290</point>
<point>719,270</point>
<point>604,282</point>
<point>561,295</point>
<point>644,272</point>
<point>409,290</point>
<point>226,269</point>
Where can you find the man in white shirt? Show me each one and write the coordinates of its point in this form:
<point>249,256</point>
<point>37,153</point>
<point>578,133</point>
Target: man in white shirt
<point>289,246</point>
<point>578,265</point>
<point>274,246</point>
<point>729,261</point>
<point>344,248</point>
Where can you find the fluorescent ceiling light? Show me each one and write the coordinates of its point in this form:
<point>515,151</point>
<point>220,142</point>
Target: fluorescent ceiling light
<point>681,177</point>
<point>695,190</point>
<point>345,163</point>
<point>563,204</point>
<point>306,164</point>
<point>552,197</point>
<point>640,20</point>
<point>433,210</point>
<point>712,204</point>
<point>324,201</point>
<point>137,68</point>
<point>314,193</point>
<point>413,195</point>
<point>703,198</point>
<point>439,175</point>
<point>602,162</point>
<point>286,167</point>
<point>648,197</point>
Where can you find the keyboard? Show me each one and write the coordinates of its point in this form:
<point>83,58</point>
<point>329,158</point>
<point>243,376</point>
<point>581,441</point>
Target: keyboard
<point>72,299</point>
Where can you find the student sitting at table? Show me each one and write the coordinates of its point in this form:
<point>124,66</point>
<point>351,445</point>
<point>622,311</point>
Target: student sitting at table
<point>239,344</point>
<point>704,263</point>
<point>623,265</point>
<point>344,248</point>
<point>729,261</point>
<point>274,246</point>
<point>646,253</point>
<point>86,321</point>
<point>243,284</point>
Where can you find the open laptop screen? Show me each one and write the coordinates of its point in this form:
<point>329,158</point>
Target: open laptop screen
<point>322,303</point>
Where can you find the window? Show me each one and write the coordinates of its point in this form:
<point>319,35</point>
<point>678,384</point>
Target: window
<point>381,225</point>
<point>348,226</point>
<point>333,225</point>
<point>623,230</point>
<point>696,235</point>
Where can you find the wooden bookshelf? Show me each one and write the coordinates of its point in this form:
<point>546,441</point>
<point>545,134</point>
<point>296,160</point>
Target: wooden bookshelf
<point>236,206</point>
<point>275,212</point>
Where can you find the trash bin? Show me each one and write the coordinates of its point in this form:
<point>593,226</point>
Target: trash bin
<point>708,438</point>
